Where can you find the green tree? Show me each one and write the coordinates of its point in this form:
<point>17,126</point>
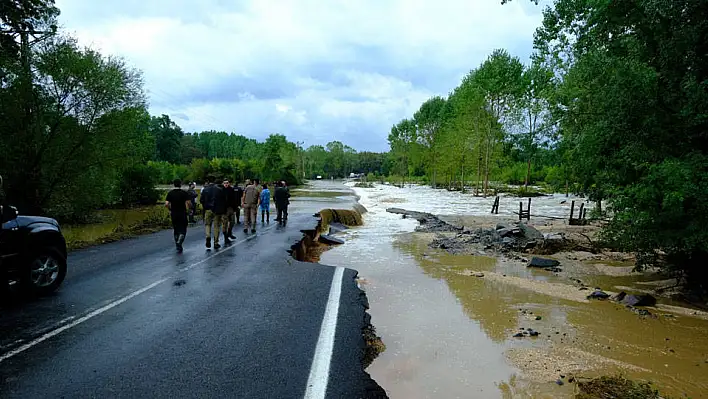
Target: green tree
<point>633,98</point>
<point>168,139</point>
<point>428,121</point>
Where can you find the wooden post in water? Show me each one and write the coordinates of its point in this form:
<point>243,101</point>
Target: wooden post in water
<point>521,209</point>
<point>495,206</point>
<point>580,216</point>
<point>572,211</point>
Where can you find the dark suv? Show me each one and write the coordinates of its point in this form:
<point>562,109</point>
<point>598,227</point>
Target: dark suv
<point>32,253</point>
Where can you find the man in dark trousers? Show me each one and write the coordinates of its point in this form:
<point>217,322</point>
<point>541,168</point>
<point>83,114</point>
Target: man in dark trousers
<point>282,199</point>
<point>214,203</point>
<point>192,191</point>
<point>230,193</point>
<point>178,202</point>
<point>238,191</point>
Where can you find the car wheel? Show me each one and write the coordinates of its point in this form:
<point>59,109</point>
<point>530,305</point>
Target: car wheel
<point>45,272</point>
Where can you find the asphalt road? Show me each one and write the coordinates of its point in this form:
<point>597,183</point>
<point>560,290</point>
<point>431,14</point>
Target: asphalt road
<point>135,319</point>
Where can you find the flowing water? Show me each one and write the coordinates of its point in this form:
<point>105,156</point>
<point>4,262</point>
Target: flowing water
<point>447,333</point>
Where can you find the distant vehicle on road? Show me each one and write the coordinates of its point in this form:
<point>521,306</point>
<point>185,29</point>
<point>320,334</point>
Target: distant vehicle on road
<point>32,253</point>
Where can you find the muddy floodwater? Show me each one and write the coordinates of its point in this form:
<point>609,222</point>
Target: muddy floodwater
<point>449,334</point>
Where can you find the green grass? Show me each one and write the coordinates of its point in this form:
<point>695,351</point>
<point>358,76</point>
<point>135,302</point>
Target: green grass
<point>117,224</point>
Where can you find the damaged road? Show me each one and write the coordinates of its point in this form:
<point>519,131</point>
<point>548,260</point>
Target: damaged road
<point>135,319</point>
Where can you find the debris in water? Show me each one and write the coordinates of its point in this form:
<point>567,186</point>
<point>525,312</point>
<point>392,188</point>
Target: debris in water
<point>538,317</point>
<point>543,262</point>
<point>180,282</point>
<point>559,381</point>
<point>598,294</point>
<point>327,239</point>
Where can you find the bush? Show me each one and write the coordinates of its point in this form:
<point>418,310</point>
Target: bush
<point>137,186</point>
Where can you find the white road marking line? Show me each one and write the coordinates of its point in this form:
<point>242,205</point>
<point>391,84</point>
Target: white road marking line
<point>319,371</point>
<point>117,302</point>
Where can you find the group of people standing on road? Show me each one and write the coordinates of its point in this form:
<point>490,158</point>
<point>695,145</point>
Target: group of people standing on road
<point>221,207</point>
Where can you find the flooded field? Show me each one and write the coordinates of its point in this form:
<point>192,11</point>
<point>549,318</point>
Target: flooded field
<point>450,334</point>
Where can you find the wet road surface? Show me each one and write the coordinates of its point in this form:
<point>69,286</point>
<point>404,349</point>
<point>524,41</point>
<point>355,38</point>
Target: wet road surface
<point>136,319</point>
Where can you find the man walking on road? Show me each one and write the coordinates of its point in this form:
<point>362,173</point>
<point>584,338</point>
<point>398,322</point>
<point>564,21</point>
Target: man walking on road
<point>231,205</point>
<point>238,193</point>
<point>265,204</point>
<point>249,203</point>
<point>193,199</point>
<point>214,203</point>
<point>282,199</point>
<point>178,202</point>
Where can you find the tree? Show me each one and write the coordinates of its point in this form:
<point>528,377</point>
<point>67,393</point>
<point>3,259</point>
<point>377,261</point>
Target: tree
<point>499,78</point>
<point>537,85</point>
<point>89,110</point>
<point>168,139</point>
<point>428,121</point>
<point>633,100</point>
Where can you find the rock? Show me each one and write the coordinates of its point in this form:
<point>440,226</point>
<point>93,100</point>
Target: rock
<point>336,228</point>
<point>478,274</point>
<point>530,232</point>
<point>638,300</point>
<point>538,317</point>
<point>501,226</point>
<point>543,262</point>
<point>327,239</point>
<point>518,335</point>
<point>508,241</point>
<point>598,294</point>
<point>559,382</point>
<point>506,232</point>
<point>529,244</point>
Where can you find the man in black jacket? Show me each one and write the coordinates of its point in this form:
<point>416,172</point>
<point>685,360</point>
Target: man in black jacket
<point>282,199</point>
<point>214,203</point>
<point>231,206</point>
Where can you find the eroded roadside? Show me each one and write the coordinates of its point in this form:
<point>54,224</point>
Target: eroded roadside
<point>313,243</point>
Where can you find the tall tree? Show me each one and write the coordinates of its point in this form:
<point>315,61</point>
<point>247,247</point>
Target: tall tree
<point>428,121</point>
<point>634,96</point>
<point>499,77</point>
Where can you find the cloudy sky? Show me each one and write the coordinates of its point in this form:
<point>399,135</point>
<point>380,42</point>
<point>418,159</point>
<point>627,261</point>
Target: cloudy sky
<point>314,70</point>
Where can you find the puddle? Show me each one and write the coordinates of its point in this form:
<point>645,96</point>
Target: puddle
<point>449,333</point>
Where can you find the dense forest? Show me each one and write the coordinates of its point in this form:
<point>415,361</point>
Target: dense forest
<point>614,103</point>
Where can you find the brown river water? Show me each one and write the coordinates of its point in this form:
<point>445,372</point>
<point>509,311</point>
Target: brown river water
<point>449,334</point>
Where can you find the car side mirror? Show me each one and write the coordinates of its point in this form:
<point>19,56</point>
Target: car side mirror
<point>8,213</point>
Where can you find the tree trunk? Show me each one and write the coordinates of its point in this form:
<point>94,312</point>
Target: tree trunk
<point>462,177</point>
<point>528,173</point>
<point>486,169</point>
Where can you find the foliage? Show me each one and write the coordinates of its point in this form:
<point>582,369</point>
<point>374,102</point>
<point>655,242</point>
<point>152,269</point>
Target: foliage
<point>631,108</point>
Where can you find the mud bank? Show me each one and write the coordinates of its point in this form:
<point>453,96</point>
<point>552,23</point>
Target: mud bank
<point>309,249</point>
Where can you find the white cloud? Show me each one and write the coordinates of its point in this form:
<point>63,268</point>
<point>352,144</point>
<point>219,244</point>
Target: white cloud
<point>312,70</point>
